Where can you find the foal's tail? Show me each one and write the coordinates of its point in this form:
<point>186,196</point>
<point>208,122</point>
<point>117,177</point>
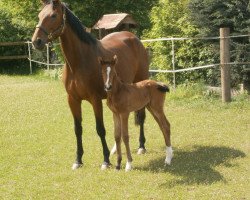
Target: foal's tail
<point>162,87</point>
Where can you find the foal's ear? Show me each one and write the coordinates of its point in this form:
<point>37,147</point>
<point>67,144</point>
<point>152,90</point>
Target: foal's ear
<point>115,59</point>
<point>99,60</point>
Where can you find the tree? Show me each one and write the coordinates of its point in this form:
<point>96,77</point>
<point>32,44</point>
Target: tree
<point>91,11</point>
<point>210,15</point>
<point>171,19</point>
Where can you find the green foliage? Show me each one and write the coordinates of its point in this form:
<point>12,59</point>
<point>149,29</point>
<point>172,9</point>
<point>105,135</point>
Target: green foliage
<point>171,19</point>
<point>210,15</point>
<point>91,11</point>
<point>192,18</point>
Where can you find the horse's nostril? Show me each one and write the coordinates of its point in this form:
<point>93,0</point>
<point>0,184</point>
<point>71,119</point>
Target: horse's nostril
<point>38,42</point>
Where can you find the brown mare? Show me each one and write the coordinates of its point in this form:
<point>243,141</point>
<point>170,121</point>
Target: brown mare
<point>124,98</point>
<point>82,72</point>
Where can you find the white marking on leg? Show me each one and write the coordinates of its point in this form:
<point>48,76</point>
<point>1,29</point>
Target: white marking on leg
<point>104,166</point>
<point>141,151</point>
<point>76,166</point>
<point>169,155</point>
<point>128,166</point>
<point>113,149</point>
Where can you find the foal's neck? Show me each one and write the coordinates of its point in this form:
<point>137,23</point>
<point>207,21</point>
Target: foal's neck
<point>117,86</point>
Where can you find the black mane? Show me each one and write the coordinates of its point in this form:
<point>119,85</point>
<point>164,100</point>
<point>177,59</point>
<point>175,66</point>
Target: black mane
<point>78,27</point>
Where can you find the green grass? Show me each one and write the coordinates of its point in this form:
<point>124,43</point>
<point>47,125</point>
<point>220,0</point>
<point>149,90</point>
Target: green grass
<point>37,149</point>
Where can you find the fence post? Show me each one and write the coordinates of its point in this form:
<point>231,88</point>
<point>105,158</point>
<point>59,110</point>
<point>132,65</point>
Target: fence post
<point>173,63</point>
<point>225,67</point>
<point>30,57</point>
<point>47,56</point>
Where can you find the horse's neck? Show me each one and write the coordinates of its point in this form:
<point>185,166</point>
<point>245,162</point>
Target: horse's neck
<point>75,51</point>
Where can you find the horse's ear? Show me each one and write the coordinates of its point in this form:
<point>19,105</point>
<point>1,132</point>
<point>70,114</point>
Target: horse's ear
<point>45,1</point>
<point>55,3</point>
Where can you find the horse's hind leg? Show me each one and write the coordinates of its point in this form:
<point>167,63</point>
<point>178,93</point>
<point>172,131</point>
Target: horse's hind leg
<point>139,120</point>
<point>75,107</point>
<point>98,111</point>
<point>164,125</point>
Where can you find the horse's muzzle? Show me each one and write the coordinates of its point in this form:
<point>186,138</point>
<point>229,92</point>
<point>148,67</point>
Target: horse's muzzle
<point>38,44</point>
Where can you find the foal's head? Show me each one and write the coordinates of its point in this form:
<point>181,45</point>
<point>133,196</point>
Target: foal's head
<point>51,23</point>
<point>108,71</point>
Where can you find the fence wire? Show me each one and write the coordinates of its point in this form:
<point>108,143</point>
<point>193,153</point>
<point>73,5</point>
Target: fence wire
<point>45,58</point>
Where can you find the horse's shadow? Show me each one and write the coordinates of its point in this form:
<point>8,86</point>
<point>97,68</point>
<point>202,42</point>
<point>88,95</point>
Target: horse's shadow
<point>196,166</point>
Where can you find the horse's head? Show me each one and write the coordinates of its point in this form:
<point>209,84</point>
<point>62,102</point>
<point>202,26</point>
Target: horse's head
<point>51,23</point>
<point>108,71</point>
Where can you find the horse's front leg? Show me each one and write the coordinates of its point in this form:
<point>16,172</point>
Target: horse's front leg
<point>75,107</point>
<point>98,110</point>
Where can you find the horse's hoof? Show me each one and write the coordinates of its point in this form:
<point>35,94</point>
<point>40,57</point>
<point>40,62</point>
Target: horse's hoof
<point>76,166</point>
<point>113,151</point>
<point>128,167</point>
<point>117,168</point>
<point>105,166</point>
<point>141,151</point>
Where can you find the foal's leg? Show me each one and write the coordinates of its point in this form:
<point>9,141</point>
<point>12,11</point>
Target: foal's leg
<point>98,110</point>
<point>164,125</point>
<point>139,120</point>
<point>75,107</point>
<point>117,134</point>
<point>125,138</point>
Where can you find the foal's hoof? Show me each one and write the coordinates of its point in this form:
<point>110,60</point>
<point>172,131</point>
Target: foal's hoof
<point>141,151</point>
<point>76,166</point>
<point>168,160</point>
<point>169,156</point>
<point>128,167</point>
<point>105,166</point>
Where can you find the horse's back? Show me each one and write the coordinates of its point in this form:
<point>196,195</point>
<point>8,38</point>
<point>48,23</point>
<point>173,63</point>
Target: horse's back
<point>133,63</point>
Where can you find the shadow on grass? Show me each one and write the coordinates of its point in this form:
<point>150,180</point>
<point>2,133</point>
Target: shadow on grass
<point>195,166</point>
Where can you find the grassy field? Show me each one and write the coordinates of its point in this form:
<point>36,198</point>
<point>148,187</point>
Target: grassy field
<point>211,144</point>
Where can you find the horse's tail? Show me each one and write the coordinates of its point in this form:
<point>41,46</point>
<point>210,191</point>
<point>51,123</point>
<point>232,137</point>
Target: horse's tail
<point>140,116</point>
<point>162,87</point>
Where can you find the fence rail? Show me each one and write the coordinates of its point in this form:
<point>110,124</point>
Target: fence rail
<point>15,57</point>
<point>12,43</point>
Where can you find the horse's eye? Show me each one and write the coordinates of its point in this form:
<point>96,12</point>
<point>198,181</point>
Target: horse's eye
<point>53,16</point>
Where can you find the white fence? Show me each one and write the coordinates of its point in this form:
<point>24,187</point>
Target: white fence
<point>173,71</point>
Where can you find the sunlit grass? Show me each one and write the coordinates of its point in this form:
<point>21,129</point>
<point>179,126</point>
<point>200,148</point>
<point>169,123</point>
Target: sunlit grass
<point>37,149</point>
